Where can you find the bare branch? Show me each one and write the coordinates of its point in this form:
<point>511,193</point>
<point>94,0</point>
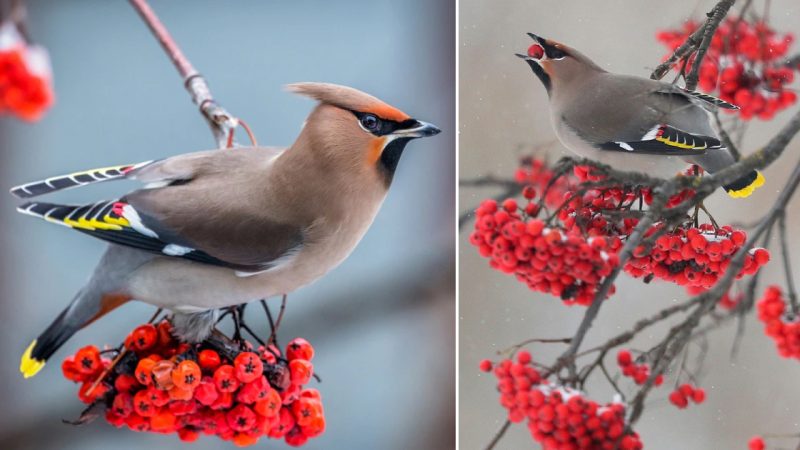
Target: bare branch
<point>719,13</point>
<point>219,120</point>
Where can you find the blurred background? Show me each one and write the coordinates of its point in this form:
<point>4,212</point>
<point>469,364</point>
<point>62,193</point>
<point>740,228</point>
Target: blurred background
<point>503,113</point>
<point>382,323</point>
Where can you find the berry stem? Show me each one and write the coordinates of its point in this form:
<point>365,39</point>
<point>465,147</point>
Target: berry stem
<point>787,265</point>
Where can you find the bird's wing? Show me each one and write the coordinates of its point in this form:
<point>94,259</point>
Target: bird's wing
<point>76,179</point>
<point>699,98</point>
<point>155,173</point>
<point>665,140</point>
<point>193,219</point>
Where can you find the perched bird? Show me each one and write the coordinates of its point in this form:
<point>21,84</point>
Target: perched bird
<point>223,227</point>
<point>628,122</point>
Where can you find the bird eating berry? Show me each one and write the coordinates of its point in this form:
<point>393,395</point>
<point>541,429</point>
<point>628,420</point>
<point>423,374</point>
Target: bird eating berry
<point>629,122</point>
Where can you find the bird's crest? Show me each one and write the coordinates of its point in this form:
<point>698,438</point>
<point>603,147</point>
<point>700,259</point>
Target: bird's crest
<point>348,98</point>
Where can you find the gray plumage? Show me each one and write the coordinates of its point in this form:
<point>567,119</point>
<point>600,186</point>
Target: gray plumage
<point>628,122</point>
<point>219,228</point>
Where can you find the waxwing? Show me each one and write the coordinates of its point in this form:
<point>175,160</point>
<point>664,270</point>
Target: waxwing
<point>631,123</point>
<point>223,227</point>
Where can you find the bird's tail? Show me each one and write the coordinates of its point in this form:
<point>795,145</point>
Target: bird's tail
<point>84,309</point>
<point>745,186</point>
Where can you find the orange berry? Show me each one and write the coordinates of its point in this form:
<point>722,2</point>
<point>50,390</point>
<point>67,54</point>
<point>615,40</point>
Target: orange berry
<point>144,370</point>
<point>186,375</point>
<point>244,439</point>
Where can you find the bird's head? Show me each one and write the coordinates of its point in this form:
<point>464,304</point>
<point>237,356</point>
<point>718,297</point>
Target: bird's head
<point>555,63</point>
<point>357,128</point>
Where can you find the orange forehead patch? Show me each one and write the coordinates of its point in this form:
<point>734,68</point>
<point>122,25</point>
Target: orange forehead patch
<point>385,111</point>
<point>375,149</point>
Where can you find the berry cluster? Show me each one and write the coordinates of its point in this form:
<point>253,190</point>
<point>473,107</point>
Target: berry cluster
<point>25,76</point>
<point>744,64</point>
<point>569,254</point>
<point>694,257</point>
<point>680,397</point>
<point>781,325</point>
<point>559,417</point>
<point>638,372</point>
<point>535,175</point>
<point>564,264</point>
<point>237,393</point>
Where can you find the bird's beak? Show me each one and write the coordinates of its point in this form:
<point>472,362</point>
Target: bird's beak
<point>418,130</point>
<point>539,40</point>
<point>536,38</point>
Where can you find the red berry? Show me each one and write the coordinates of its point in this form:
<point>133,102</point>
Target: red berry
<point>142,338</point>
<point>208,359</point>
<point>301,371</point>
<point>678,399</point>
<point>248,366</point>
<point>699,395</point>
<point>225,378</point>
<point>535,51</point>
<point>87,360</point>
<point>624,358</point>
<point>756,443</point>
<point>299,348</point>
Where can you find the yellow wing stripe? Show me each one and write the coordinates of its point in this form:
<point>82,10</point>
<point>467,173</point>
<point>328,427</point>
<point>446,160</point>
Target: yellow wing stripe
<point>680,144</point>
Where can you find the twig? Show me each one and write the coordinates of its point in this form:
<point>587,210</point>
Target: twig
<point>567,358</point>
<point>510,189</point>
<point>498,435</point>
<point>680,335</point>
<point>719,13</point>
<point>273,336</point>
<point>787,265</point>
<point>683,51</point>
<point>219,120</point>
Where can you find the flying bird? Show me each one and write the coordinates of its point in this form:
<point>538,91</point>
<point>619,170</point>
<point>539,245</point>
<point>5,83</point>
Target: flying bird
<point>223,227</point>
<point>628,122</point>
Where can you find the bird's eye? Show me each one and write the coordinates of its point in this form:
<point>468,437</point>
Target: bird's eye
<point>370,122</point>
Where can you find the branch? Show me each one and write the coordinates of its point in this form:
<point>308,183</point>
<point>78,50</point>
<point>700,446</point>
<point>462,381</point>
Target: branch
<point>510,189</point>
<point>701,37</point>
<point>219,120</point>
<point>719,13</point>
<point>680,335</point>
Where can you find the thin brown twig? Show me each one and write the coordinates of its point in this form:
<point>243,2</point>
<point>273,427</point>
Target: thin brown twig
<point>498,435</point>
<point>273,339</point>
<point>787,265</point>
<point>219,120</point>
<point>719,12</point>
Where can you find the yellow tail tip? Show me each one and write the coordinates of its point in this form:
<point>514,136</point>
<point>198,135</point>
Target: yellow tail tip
<point>30,366</point>
<point>746,191</point>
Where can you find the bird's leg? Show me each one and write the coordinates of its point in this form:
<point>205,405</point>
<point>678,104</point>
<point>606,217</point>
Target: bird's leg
<point>273,338</point>
<point>237,332</point>
<point>247,327</point>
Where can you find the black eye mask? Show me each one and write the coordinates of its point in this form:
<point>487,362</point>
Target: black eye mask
<point>382,127</point>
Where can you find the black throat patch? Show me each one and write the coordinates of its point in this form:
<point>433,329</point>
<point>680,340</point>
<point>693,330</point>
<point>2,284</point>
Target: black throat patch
<point>390,157</point>
<point>543,76</point>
